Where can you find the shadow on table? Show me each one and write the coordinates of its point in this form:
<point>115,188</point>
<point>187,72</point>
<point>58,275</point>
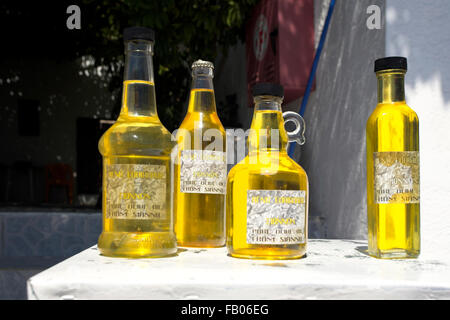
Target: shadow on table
<point>363,250</point>
<point>276,264</point>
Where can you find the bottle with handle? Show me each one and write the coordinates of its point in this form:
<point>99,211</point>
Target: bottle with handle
<point>267,192</point>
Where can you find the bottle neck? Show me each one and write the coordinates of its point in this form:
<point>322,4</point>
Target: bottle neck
<point>139,97</point>
<point>391,86</point>
<point>202,98</point>
<point>267,132</point>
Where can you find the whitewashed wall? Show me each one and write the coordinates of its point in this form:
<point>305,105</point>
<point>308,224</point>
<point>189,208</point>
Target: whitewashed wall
<point>345,95</point>
<point>419,30</point>
<point>334,155</point>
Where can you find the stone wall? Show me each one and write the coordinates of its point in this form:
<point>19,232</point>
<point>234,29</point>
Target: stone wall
<point>419,30</point>
<point>31,242</point>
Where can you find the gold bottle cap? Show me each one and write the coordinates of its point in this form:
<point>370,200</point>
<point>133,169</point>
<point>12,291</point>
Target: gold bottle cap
<point>202,68</point>
<point>202,64</point>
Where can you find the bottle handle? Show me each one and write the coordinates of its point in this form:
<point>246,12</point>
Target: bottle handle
<point>298,134</point>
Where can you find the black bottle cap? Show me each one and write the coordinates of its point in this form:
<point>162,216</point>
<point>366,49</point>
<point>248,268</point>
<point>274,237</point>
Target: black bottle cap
<point>140,33</point>
<point>268,88</point>
<point>391,63</point>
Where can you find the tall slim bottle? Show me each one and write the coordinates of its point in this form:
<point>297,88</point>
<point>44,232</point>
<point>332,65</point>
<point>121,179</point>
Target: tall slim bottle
<point>267,192</point>
<point>137,204</point>
<point>393,195</point>
<point>200,170</point>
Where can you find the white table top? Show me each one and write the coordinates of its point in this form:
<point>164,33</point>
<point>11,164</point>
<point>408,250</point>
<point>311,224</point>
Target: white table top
<point>333,269</point>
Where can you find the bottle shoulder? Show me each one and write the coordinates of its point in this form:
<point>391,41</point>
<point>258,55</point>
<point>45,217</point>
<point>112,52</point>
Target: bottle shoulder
<point>212,133</point>
<point>297,166</point>
<point>203,120</point>
<point>392,111</point>
<point>283,165</point>
<point>136,138</point>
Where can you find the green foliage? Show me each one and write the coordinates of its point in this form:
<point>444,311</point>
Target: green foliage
<point>186,30</point>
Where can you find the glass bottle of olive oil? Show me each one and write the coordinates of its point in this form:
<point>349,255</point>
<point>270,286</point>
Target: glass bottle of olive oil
<point>393,195</point>
<point>200,170</point>
<point>137,204</point>
<point>267,192</point>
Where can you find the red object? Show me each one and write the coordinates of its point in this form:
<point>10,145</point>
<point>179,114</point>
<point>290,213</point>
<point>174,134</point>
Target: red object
<point>280,45</point>
<point>60,175</point>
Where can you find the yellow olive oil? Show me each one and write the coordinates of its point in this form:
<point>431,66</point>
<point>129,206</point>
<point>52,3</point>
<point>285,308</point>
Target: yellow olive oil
<point>137,203</point>
<point>393,194</point>
<point>200,168</point>
<point>267,192</point>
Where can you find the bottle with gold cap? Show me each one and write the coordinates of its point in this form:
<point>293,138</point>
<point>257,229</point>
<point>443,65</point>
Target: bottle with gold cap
<point>393,195</point>
<point>200,167</point>
<point>267,192</point>
<point>137,204</point>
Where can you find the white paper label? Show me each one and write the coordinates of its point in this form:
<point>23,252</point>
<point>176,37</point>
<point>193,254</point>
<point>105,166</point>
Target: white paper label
<point>396,177</point>
<point>203,171</point>
<point>135,191</point>
<point>276,217</point>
